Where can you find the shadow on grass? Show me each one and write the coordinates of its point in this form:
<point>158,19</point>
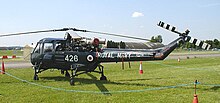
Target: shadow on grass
<point>215,88</point>
<point>101,87</point>
<point>57,78</point>
<point>93,80</point>
<point>100,83</point>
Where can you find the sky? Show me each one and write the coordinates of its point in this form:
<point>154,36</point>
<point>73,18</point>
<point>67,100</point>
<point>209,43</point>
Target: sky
<point>137,18</point>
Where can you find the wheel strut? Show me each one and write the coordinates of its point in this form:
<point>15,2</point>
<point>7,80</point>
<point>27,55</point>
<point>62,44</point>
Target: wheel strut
<point>36,71</point>
<point>67,74</point>
<point>73,74</point>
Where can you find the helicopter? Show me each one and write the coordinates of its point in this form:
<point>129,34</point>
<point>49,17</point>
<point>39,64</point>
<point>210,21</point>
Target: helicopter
<point>82,55</point>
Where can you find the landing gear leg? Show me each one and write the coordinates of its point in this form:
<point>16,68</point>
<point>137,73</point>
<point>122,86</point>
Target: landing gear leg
<point>62,71</point>
<point>103,77</point>
<point>67,74</point>
<point>72,81</point>
<point>73,74</point>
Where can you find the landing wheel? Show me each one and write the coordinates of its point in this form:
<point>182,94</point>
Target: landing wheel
<point>36,77</point>
<point>72,81</point>
<point>103,78</point>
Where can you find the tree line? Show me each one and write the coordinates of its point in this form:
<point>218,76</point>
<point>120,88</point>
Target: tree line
<point>158,39</point>
<point>214,44</point>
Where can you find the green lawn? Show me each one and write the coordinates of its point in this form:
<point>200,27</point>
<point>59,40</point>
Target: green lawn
<point>11,52</point>
<point>163,81</point>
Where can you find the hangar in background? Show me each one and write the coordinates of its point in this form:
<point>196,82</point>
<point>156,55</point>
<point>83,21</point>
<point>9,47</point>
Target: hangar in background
<point>141,45</point>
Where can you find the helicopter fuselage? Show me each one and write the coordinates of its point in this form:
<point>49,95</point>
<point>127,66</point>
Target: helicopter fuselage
<point>47,54</point>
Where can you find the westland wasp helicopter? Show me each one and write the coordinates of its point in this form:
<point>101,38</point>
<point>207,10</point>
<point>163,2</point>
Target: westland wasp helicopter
<point>82,55</point>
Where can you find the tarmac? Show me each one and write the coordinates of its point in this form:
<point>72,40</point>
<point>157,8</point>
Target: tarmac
<point>188,56</point>
<point>17,64</point>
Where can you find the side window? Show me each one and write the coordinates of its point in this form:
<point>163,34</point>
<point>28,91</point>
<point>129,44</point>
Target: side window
<point>37,48</point>
<point>48,47</point>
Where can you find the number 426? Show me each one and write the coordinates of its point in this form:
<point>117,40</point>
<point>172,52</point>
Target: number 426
<point>71,58</point>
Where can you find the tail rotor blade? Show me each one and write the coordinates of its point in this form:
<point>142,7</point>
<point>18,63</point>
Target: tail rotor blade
<point>191,40</point>
<point>168,27</point>
<point>197,42</point>
<point>204,45</point>
<point>208,47</point>
<point>187,39</point>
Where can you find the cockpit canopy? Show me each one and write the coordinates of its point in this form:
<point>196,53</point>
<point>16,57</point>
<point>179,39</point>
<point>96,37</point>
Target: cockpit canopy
<point>49,45</point>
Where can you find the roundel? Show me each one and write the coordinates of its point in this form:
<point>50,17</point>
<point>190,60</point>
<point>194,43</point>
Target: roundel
<point>90,58</point>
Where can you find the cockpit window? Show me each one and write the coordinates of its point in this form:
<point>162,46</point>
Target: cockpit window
<point>48,47</point>
<point>37,48</point>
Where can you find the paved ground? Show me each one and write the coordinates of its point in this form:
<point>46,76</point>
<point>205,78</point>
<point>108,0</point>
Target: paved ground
<point>17,64</point>
<point>185,56</point>
<point>26,64</point>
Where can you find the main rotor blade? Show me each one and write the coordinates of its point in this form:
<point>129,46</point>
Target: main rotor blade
<point>33,32</point>
<point>74,29</point>
<point>118,35</point>
<point>111,34</point>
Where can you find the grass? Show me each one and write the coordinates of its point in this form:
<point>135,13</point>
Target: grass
<point>11,52</point>
<point>163,81</point>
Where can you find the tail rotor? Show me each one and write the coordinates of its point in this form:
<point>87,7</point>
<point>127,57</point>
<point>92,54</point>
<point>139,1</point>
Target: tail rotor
<point>190,39</point>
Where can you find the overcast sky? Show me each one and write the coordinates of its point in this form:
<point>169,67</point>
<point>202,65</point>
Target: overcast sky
<point>128,17</point>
